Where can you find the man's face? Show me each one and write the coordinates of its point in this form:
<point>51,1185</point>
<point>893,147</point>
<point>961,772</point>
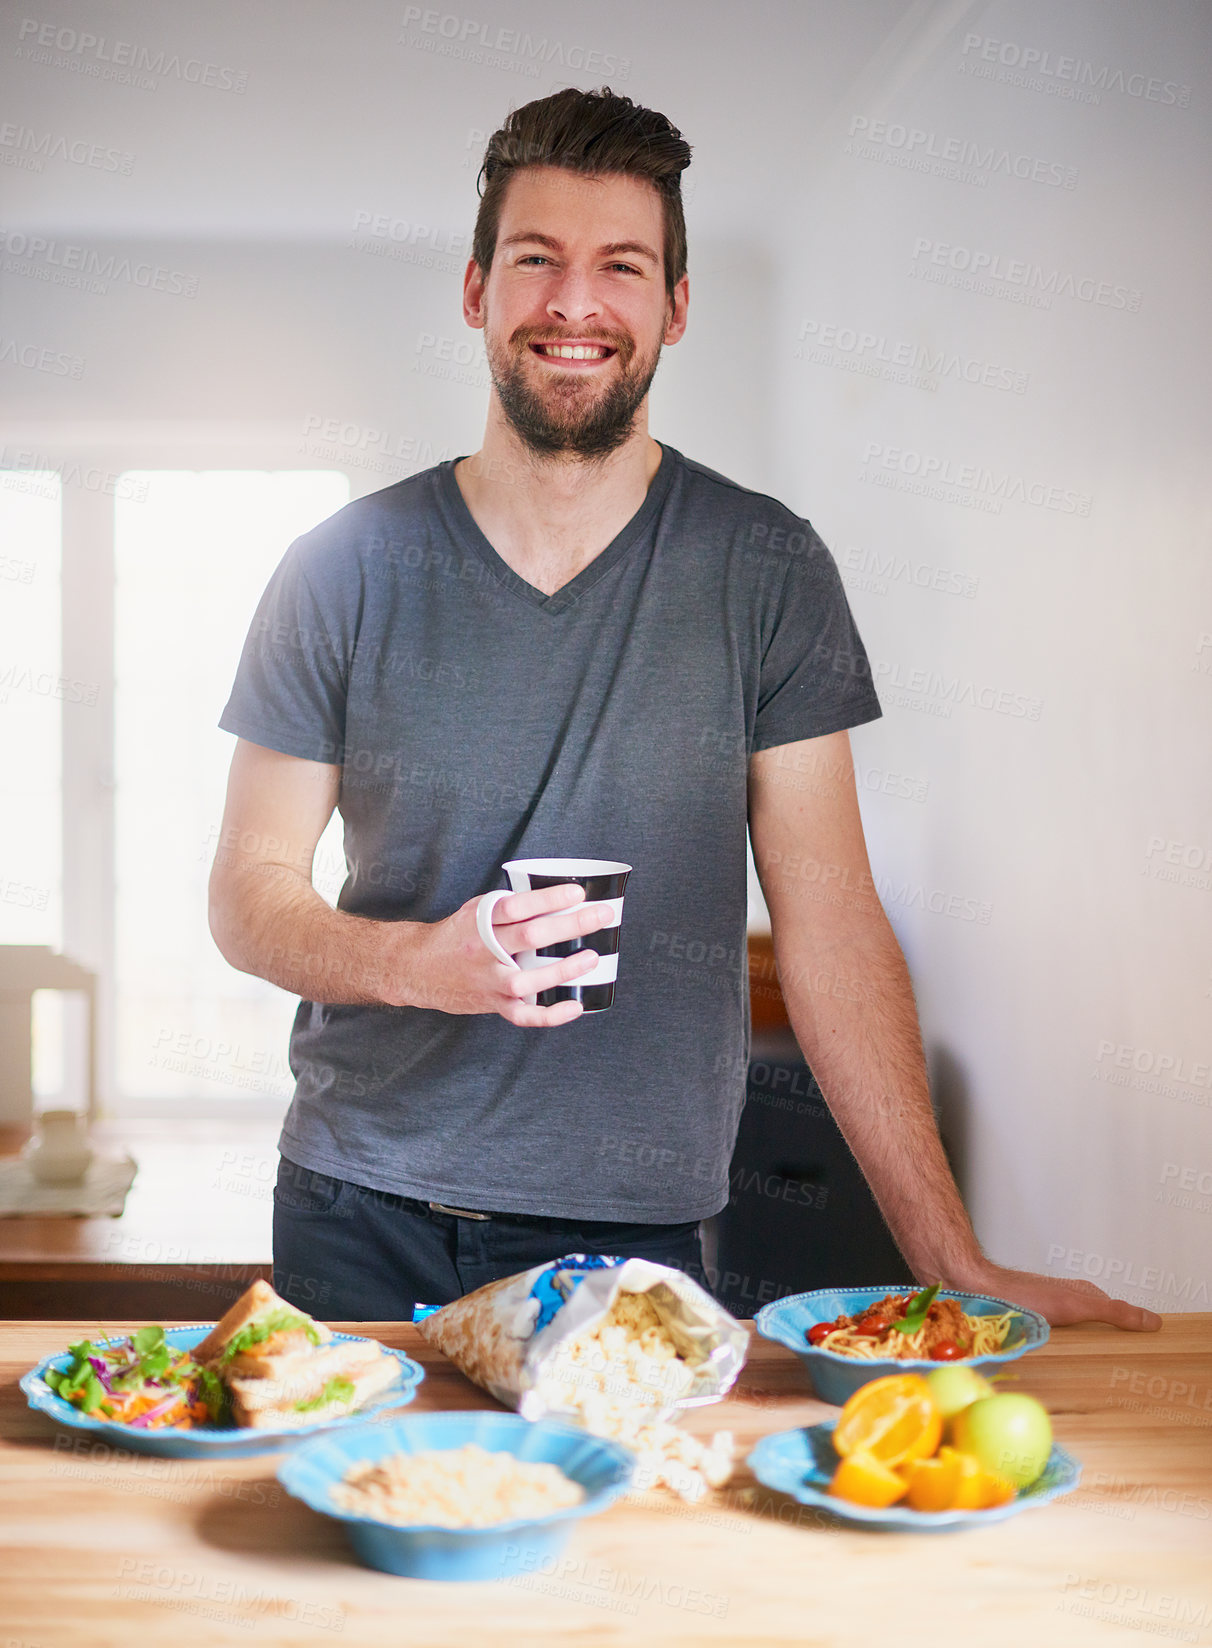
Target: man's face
<point>578,263</point>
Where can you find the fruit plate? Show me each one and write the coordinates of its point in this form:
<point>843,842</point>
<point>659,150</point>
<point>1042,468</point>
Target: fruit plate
<point>205,1441</point>
<point>801,1463</point>
<point>836,1377</point>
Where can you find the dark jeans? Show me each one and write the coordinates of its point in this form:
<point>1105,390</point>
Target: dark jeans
<point>350,1254</point>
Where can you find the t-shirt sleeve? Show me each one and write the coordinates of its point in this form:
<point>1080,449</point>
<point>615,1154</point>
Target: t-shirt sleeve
<point>290,687</point>
<point>815,675</point>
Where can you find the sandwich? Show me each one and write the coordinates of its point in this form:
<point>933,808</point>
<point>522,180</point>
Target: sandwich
<point>282,1368</point>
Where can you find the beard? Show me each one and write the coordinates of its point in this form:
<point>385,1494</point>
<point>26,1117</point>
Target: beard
<point>570,418</point>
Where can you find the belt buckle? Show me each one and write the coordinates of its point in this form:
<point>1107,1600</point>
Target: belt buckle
<point>459,1212</point>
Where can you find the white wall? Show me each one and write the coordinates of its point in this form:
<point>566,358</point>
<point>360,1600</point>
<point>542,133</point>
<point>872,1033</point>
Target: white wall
<point>1039,616</point>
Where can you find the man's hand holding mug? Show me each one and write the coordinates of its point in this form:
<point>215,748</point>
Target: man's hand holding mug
<point>467,962</point>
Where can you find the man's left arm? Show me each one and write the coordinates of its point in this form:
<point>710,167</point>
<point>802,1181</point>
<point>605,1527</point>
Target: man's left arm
<point>851,1005</point>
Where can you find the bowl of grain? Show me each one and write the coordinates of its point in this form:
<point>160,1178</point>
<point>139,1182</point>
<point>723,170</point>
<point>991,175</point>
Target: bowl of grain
<point>458,1495</point>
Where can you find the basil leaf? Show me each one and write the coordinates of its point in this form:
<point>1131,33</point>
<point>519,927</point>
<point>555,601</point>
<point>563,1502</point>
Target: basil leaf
<point>915,1310</point>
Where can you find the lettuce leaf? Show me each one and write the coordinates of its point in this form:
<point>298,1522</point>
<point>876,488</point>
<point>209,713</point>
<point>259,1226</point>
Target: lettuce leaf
<point>211,1389</point>
<point>153,1356</point>
<point>336,1390</point>
<point>78,1384</point>
<point>275,1321</point>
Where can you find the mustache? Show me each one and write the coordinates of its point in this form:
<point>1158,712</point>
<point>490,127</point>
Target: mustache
<point>526,335</point>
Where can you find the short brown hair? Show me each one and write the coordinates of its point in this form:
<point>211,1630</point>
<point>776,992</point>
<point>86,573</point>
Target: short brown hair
<point>595,133</point>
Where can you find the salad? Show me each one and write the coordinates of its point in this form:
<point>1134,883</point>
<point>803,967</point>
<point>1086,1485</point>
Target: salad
<point>141,1381</point>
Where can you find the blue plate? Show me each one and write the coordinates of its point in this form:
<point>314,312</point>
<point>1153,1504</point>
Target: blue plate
<point>802,1462</point>
<point>835,1377</point>
<point>603,1469</point>
<point>204,1441</point>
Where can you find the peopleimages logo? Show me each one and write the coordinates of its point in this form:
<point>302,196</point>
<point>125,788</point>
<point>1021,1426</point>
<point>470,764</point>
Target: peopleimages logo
<point>339,440</point>
<point>1184,863</point>
<point>65,264</point>
<point>1145,1061</point>
<point>24,469</point>
<point>965,266</point>
<point>939,477</point>
<point>497,46</point>
<point>1077,71</point>
<point>1124,1273</point>
<point>986,160</point>
<point>405,240</point>
<point>869,569</point>
<point>856,350</point>
<point>37,359</point>
<point>40,147</point>
<point>120,60</point>
<point>931,690</point>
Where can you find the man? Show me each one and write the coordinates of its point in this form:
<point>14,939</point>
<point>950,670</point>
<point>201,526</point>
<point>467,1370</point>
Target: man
<point>575,643</point>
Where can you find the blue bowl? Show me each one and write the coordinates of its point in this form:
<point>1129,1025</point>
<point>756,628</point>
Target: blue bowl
<point>603,1469</point>
<point>801,1463</point>
<point>204,1441</point>
<point>835,1378</point>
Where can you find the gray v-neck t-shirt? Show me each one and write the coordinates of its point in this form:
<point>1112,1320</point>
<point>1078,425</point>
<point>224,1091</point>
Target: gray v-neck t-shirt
<point>476,720</point>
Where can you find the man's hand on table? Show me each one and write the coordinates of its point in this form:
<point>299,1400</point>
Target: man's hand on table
<point>1060,1300</point>
<point>450,968</point>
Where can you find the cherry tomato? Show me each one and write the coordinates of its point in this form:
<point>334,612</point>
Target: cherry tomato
<point>871,1327</point>
<point>946,1351</point>
<point>819,1331</point>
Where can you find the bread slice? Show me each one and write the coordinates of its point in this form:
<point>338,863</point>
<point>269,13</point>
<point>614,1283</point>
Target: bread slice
<point>280,1376</point>
<point>253,1309</point>
<point>263,1404</point>
<point>275,1357</point>
<point>299,1376</point>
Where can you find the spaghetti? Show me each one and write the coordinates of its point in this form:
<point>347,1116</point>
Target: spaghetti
<point>946,1332</point>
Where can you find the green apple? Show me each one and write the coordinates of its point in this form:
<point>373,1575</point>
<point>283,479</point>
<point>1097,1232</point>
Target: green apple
<point>956,1386</point>
<point>1011,1434</point>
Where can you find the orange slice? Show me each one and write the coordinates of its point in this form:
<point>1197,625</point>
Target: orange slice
<point>894,1419</point>
<point>934,1483</point>
<point>971,1487</point>
<point>995,1489</point>
<point>865,1480</point>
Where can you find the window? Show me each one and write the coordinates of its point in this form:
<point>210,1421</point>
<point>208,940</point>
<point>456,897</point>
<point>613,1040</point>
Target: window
<point>32,689</point>
<point>192,554</point>
<point>120,628</point>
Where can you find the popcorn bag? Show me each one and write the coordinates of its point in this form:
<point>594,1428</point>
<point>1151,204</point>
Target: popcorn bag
<point>620,1346</point>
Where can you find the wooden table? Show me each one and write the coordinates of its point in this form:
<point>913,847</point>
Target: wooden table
<point>195,1231</point>
<point>106,1549</point>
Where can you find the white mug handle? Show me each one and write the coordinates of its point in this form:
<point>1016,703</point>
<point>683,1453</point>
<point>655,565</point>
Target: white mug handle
<point>484,911</point>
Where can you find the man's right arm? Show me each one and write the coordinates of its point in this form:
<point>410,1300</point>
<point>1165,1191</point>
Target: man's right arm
<point>267,919</point>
